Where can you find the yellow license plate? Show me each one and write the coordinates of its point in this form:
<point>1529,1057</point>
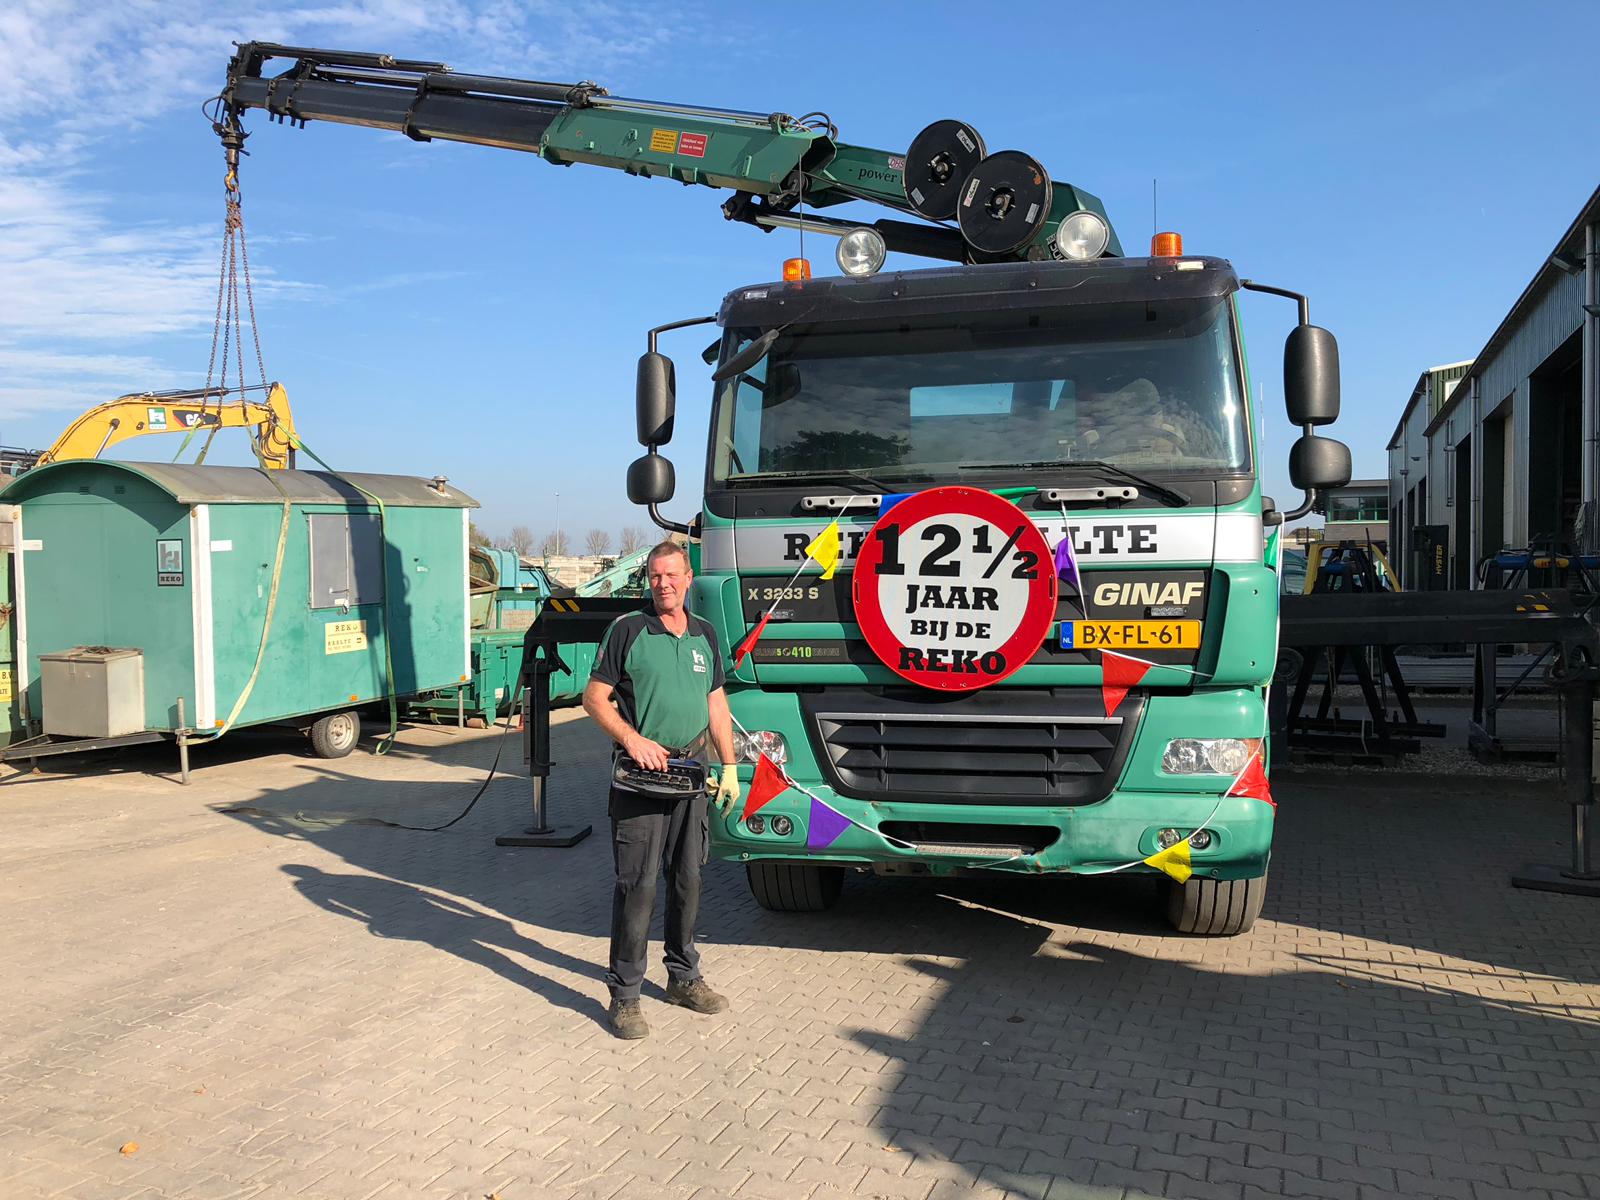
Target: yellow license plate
<point>1130,635</point>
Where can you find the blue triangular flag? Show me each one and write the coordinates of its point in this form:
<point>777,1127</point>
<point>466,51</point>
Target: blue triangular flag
<point>887,502</point>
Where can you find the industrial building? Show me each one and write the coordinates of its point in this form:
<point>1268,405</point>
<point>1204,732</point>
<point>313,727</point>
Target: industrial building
<point>1499,451</point>
<point>1358,512</point>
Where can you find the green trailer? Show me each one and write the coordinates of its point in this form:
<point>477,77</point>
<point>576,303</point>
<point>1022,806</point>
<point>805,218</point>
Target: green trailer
<point>507,597</point>
<point>252,598</point>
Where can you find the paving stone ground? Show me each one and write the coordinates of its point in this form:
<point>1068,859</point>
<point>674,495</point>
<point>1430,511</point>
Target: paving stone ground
<point>285,1003</point>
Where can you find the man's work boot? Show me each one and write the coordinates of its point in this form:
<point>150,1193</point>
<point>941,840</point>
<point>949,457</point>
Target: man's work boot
<point>696,996</point>
<point>627,1020</point>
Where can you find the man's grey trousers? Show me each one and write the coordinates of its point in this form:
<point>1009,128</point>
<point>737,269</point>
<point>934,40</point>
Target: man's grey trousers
<point>649,837</point>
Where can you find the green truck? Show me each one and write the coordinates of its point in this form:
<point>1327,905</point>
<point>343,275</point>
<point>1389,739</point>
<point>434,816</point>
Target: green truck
<point>992,534</point>
<point>956,699</point>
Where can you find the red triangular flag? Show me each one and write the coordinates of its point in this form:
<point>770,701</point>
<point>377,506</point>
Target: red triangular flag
<point>1252,782</point>
<point>750,638</point>
<point>1118,673</point>
<point>768,784</point>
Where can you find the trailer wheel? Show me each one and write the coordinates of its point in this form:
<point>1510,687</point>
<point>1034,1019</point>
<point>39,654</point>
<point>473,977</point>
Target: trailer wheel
<point>335,735</point>
<point>794,887</point>
<point>1215,907</point>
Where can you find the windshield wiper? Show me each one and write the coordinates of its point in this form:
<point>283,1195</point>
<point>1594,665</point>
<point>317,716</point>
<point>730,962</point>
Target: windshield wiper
<point>1161,492</point>
<point>837,475</point>
<point>1158,491</point>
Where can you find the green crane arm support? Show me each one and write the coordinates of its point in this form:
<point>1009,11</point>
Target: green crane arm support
<point>773,162</point>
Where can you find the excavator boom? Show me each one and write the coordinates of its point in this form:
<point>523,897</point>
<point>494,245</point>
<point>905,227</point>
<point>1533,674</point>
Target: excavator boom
<point>270,422</point>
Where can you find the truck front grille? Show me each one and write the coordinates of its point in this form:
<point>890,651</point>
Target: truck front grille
<point>1042,746</point>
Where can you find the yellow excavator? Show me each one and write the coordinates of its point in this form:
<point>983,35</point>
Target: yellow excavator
<point>269,421</point>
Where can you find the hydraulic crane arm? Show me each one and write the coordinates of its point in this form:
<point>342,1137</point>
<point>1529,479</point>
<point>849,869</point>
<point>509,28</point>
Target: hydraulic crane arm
<point>773,162</point>
<point>270,423</point>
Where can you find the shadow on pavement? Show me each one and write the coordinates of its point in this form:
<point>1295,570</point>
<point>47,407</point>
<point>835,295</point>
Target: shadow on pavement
<point>399,910</point>
<point>1401,1022</point>
<point>1039,1063</point>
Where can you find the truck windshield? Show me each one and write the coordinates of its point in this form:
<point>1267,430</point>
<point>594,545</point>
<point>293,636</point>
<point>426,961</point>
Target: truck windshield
<point>1150,386</point>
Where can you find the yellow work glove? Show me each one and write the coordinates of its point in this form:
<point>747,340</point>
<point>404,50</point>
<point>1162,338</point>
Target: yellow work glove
<point>727,793</point>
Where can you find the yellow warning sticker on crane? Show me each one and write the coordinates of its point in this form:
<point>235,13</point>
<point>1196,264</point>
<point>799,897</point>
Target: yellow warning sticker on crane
<point>5,685</point>
<point>664,141</point>
<point>343,637</point>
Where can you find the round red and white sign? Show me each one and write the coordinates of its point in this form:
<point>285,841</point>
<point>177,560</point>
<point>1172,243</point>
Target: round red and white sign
<point>954,588</point>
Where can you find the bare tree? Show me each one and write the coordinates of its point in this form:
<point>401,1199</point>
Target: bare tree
<point>554,545</point>
<point>632,540</point>
<point>522,540</point>
<point>597,542</point>
<point>477,536</point>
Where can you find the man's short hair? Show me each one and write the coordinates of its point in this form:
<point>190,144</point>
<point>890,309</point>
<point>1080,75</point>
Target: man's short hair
<point>661,549</point>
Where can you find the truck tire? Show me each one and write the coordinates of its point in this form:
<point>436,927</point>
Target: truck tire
<point>1215,907</point>
<point>794,887</point>
<point>336,734</point>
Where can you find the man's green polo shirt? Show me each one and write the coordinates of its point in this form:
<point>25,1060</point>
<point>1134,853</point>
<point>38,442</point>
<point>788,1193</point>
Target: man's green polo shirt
<point>661,681</point>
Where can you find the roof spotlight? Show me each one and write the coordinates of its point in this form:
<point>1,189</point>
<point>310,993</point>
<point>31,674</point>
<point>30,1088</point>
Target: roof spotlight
<point>1081,235</point>
<point>861,251</point>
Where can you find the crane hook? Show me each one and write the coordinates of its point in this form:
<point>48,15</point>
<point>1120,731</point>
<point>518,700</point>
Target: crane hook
<point>233,136</point>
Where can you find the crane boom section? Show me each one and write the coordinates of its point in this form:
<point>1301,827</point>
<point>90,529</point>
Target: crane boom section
<point>774,162</point>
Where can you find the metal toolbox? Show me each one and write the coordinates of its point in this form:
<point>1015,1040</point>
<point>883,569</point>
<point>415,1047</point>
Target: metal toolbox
<point>93,691</point>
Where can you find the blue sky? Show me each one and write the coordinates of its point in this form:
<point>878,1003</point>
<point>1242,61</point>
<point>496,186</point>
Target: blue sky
<point>477,313</point>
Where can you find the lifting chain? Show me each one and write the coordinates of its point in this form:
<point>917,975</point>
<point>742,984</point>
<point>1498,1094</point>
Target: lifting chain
<point>227,331</point>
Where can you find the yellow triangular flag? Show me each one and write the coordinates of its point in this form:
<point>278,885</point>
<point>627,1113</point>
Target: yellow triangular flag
<point>1174,860</point>
<point>825,549</point>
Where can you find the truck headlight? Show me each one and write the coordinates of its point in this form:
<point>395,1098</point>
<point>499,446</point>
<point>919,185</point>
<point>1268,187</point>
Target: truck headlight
<point>752,745</point>
<point>1208,756</point>
<point>861,252</point>
<point>1082,235</point>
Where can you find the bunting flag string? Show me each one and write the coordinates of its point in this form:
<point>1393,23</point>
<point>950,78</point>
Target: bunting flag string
<point>1174,860</point>
<point>826,549</point>
<point>768,784</point>
<point>1119,673</point>
<point>824,823</point>
<point>1067,562</point>
<point>1252,781</point>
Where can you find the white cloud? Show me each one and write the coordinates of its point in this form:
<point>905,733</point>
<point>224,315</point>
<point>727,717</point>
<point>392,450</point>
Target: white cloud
<point>87,295</point>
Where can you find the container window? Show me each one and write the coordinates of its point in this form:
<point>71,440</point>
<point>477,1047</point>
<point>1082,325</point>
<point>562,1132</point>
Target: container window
<point>346,560</point>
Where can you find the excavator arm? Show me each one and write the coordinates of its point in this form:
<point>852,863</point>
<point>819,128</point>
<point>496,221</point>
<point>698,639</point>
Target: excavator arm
<point>1004,206</point>
<point>270,423</point>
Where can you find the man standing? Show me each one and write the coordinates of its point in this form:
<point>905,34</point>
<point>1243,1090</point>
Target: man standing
<point>662,668</point>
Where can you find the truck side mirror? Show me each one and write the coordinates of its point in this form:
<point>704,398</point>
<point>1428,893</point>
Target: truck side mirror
<point>1311,376</point>
<point>655,401</point>
<point>651,480</point>
<point>1315,463</point>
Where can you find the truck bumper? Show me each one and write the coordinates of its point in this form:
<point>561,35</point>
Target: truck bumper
<point>916,836</point>
<point>1116,834</point>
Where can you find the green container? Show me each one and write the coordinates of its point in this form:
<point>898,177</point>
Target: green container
<point>178,561</point>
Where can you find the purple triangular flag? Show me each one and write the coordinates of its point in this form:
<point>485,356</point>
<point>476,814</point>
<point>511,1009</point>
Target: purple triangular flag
<point>825,826</point>
<point>1066,563</point>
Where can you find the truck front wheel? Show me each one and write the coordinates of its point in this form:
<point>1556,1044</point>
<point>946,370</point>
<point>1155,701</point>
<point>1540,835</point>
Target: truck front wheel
<point>1215,907</point>
<point>795,887</point>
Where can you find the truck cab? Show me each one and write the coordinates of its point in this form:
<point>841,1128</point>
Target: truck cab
<point>1106,403</point>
